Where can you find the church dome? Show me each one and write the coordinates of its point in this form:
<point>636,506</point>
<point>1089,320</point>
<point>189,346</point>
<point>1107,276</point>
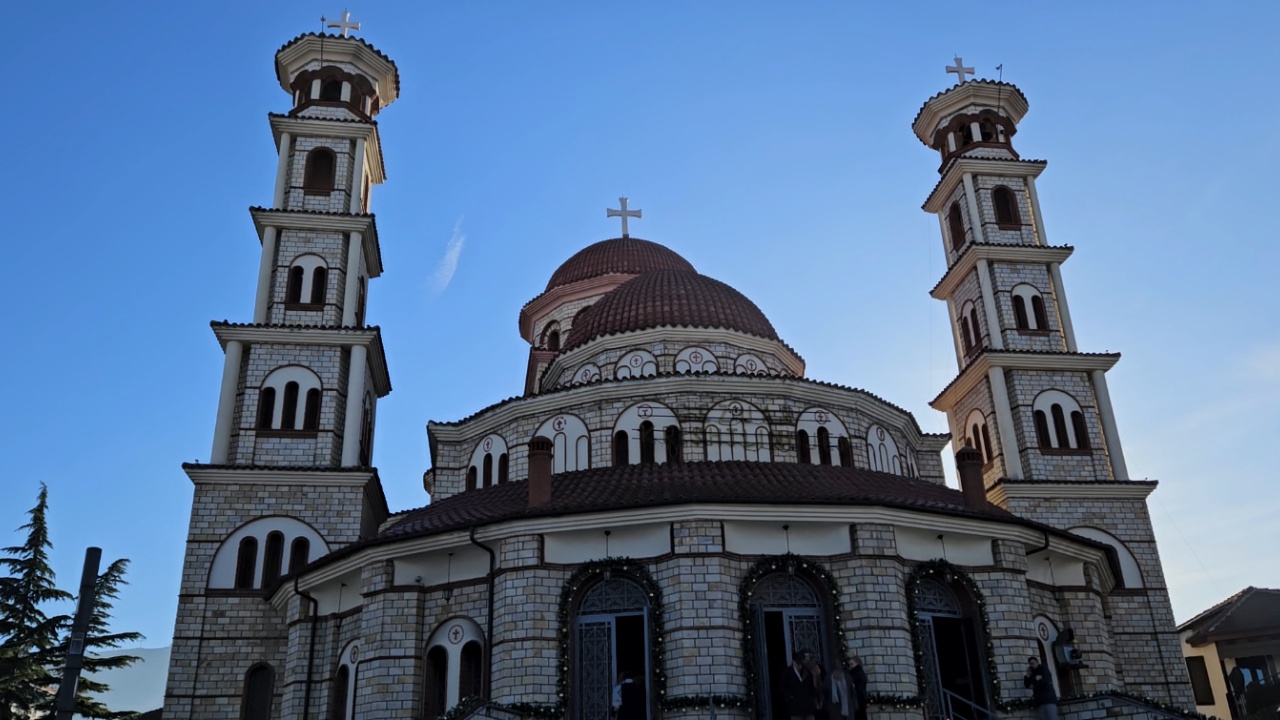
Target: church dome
<point>626,256</point>
<point>676,298</point>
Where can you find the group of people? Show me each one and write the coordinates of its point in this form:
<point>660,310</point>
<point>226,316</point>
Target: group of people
<point>809,693</point>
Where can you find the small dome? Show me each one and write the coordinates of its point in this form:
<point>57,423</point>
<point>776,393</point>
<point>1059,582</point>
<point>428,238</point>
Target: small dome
<point>628,256</point>
<point>677,298</point>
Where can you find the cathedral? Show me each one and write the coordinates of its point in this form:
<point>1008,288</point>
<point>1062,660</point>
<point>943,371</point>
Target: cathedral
<point>669,496</point>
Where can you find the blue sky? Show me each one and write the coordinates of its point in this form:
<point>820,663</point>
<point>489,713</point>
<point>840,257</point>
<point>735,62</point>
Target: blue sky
<point>769,143</point>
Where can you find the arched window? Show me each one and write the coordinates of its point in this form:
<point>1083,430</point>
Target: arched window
<point>986,443</point>
<point>482,459</point>
<point>437,697</point>
<point>293,294</point>
<point>331,90</point>
<point>1051,411</point>
<point>675,452</point>
<point>299,554</point>
<point>571,443</point>
<point>646,443</point>
<point>846,451</point>
<point>266,407</point>
<point>338,707</point>
<point>273,558</point>
<point>979,437</point>
<point>803,455</point>
<point>488,470</point>
<point>319,280</point>
<point>311,410</point>
<point>1006,206</point>
<point>318,173</point>
<point>362,293</point>
<point>246,563</point>
<point>1081,432</point>
<point>621,446</point>
<point>737,430</point>
<point>955,226</point>
<point>470,671</point>
<point>637,363</point>
<point>966,337</point>
<point>1060,426</point>
<point>824,446</point>
<point>1027,296</point>
<point>366,432</point>
<point>289,413</point>
<point>974,327</point>
<point>1042,430</point>
<point>471,478</point>
<point>258,689</point>
<point>882,451</point>
<point>1037,311</point>
<point>504,468</point>
<point>695,359</point>
<point>551,336</point>
<point>1020,313</point>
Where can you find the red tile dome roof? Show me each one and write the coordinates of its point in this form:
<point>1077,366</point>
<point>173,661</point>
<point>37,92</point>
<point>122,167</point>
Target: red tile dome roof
<point>679,298</point>
<point>629,256</point>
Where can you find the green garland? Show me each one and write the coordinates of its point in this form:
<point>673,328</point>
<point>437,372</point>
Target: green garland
<point>590,571</point>
<point>767,566</point>
<point>946,572</point>
<point>895,701</point>
<point>694,702</point>
<point>465,707</point>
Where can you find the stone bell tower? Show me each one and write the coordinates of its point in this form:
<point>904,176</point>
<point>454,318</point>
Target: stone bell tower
<point>290,476</point>
<point>1026,397</point>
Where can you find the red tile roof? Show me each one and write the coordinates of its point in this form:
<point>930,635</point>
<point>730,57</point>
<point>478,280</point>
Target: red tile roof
<point>625,256</point>
<point>672,298</point>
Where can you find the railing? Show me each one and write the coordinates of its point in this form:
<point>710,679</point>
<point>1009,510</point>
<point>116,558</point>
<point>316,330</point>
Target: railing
<point>956,707</point>
<point>1149,710</point>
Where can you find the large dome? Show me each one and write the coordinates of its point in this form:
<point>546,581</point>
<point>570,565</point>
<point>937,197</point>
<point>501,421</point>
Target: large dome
<point>627,256</point>
<point>677,298</point>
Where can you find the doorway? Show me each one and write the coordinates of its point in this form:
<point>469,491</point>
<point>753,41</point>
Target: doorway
<point>788,617</point>
<point>954,674</point>
<point>611,636</point>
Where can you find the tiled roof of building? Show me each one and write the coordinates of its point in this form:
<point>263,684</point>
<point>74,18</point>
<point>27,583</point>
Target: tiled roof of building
<point>1251,613</point>
<point>636,486</point>
<point>625,256</point>
<point>670,298</point>
<point>975,81</point>
<point>342,38</point>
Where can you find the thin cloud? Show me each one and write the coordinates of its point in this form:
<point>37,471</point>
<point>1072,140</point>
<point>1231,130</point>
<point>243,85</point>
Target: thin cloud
<point>448,264</point>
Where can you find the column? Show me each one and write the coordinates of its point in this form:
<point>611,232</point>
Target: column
<point>1004,422</point>
<point>989,302</point>
<point>1035,211</point>
<point>357,178</point>
<point>975,217</point>
<point>351,293</point>
<point>355,404</point>
<point>1064,315</point>
<point>1109,430</point>
<point>226,403</point>
<point>265,268</point>
<point>282,169</point>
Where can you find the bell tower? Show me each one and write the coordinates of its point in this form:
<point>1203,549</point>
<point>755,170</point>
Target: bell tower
<point>290,475</point>
<point>1030,401</point>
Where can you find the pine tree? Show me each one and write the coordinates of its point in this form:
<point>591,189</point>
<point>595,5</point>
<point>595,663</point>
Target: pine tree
<point>100,637</point>
<point>27,635</point>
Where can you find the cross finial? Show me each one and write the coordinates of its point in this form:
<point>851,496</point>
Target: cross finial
<point>624,213</point>
<point>343,25</point>
<point>959,69</point>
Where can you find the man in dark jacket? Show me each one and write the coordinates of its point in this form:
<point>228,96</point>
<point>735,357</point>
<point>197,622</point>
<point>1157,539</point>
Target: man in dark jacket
<point>1043,697</point>
<point>796,689</point>
<point>859,678</point>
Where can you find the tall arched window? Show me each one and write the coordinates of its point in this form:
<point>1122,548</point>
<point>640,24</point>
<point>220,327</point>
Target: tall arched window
<point>1051,411</point>
<point>504,468</point>
<point>621,446</point>
<point>803,455</point>
<point>675,452</point>
<point>471,478</point>
<point>293,294</point>
<point>273,558</point>
<point>366,432</point>
<point>1006,207</point>
<point>246,563</point>
<point>258,688</point>
<point>470,671</point>
<point>311,410</point>
<point>974,327</point>
<point>338,705</point>
<point>289,413</point>
<point>299,554</point>
<point>966,336</point>
<point>318,173</point>
<point>824,446</point>
<point>955,226</point>
<point>437,696</point>
<point>1081,432</point>
<point>1028,308</point>
<point>319,282</point>
<point>1042,430</point>
<point>646,443</point>
<point>846,451</point>
<point>1020,313</point>
<point>266,407</point>
<point>1037,311</point>
<point>488,470</point>
<point>1060,425</point>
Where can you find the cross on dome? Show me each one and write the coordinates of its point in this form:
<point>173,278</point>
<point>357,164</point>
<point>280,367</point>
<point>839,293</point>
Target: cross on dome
<point>959,69</point>
<point>343,25</point>
<point>624,213</point>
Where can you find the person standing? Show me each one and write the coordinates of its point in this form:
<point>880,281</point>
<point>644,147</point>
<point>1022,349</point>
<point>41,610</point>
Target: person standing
<point>628,698</point>
<point>795,687</point>
<point>859,678</point>
<point>840,696</point>
<point>1043,697</point>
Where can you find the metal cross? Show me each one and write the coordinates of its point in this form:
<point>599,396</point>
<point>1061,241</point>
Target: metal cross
<point>960,70</point>
<point>344,25</point>
<point>624,213</point>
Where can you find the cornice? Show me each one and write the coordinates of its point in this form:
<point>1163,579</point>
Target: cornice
<point>294,55</point>
<point>248,474</point>
<point>977,92</point>
<point>368,337</point>
<point>976,371</point>
<point>1006,489</point>
<point>1028,533</point>
<point>1001,253</point>
<point>958,166</point>
<point>331,222</point>
<point>561,294</point>
<point>327,127</point>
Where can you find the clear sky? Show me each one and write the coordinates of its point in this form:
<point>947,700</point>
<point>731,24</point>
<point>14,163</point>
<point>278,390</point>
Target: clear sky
<point>769,143</point>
